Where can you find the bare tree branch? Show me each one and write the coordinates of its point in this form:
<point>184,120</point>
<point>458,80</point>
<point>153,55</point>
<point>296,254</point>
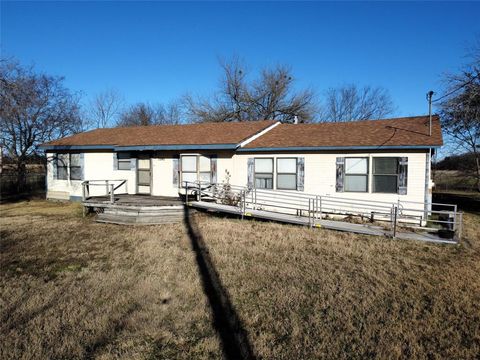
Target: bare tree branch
<point>350,103</point>
<point>271,96</point>
<point>34,108</point>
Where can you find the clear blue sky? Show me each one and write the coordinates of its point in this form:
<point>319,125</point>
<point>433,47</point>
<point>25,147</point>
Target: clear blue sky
<point>155,51</point>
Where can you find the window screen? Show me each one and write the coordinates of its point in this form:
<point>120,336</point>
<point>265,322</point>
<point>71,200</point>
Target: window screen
<point>356,174</point>
<point>385,175</point>
<point>62,166</point>
<point>123,161</point>
<point>196,168</point>
<point>75,167</point>
<point>264,173</point>
<point>204,169</point>
<point>287,174</point>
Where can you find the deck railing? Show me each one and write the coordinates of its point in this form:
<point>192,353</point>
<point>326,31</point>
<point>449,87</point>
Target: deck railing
<point>437,217</point>
<point>109,185</point>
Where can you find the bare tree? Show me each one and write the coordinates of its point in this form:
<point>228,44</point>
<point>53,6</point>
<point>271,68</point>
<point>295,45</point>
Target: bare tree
<point>34,108</point>
<point>143,114</point>
<point>271,96</point>
<point>349,102</point>
<point>460,110</point>
<point>105,108</point>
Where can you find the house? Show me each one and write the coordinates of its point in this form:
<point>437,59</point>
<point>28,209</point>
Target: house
<point>382,160</point>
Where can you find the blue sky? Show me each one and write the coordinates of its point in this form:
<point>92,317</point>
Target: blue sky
<point>156,51</point>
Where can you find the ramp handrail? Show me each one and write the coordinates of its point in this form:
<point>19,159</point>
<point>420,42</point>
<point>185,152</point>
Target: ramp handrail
<point>431,216</point>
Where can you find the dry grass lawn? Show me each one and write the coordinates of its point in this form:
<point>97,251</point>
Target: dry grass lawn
<point>72,288</point>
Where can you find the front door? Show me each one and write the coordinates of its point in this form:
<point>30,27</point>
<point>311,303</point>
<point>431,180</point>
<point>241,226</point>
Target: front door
<point>144,175</point>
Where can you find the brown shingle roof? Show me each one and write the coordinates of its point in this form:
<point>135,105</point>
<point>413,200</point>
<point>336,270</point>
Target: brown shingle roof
<point>191,134</point>
<point>407,131</point>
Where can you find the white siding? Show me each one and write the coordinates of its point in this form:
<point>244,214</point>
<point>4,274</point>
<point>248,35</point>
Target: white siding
<point>320,173</point>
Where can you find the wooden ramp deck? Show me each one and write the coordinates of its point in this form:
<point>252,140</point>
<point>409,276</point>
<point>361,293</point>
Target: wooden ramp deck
<point>327,224</point>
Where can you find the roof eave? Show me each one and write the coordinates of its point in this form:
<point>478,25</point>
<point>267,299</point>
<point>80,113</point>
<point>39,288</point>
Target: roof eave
<point>330,148</point>
<point>141,147</point>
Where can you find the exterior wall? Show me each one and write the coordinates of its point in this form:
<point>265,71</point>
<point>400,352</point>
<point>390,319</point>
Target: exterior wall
<point>100,166</point>
<point>320,174</point>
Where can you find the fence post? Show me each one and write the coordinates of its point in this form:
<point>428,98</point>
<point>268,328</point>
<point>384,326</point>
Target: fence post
<point>320,206</point>
<point>309,212</point>
<point>460,227</point>
<point>199,193</point>
<point>106,186</point>
<point>242,196</point>
<point>395,213</point>
<point>112,197</point>
<point>84,195</point>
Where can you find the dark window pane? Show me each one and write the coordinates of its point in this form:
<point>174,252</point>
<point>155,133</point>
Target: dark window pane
<point>62,173</point>
<point>75,173</point>
<point>385,166</point>
<point>356,183</point>
<point>264,181</point>
<point>287,181</point>
<point>124,165</point>
<point>123,155</point>
<point>385,183</point>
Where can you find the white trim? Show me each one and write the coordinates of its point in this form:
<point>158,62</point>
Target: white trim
<point>256,136</point>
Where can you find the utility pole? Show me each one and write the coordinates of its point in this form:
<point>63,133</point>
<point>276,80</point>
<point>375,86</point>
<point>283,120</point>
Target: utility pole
<point>429,99</point>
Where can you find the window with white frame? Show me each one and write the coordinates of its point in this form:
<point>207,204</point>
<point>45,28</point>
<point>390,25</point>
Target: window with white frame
<point>124,162</point>
<point>263,173</point>
<point>287,173</point>
<point>75,167</point>
<point>356,175</point>
<point>385,175</point>
<point>62,166</point>
<point>196,168</point>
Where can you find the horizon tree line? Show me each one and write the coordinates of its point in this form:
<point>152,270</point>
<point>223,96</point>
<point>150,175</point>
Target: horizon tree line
<point>37,107</point>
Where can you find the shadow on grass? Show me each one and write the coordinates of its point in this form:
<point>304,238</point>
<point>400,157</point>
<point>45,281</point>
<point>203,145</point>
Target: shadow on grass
<point>234,338</point>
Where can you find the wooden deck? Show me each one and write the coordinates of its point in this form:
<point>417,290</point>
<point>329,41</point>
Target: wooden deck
<point>327,224</point>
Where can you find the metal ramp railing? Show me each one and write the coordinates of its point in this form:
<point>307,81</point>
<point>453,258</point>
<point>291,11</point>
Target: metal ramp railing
<point>443,219</point>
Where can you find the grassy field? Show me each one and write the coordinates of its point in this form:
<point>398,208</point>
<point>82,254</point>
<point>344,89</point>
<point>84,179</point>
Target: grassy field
<point>72,288</point>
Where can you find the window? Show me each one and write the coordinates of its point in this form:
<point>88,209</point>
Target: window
<point>356,174</point>
<point>75,167</point>
<point>385,175</point>
<point>62,166</point>
<point>287,173</point>
<point>204,169</point>
<point>196,168</point>
<point>263,173</point>
<point>123,161</point>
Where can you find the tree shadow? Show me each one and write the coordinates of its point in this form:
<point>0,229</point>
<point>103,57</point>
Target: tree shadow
<point>233,336</point>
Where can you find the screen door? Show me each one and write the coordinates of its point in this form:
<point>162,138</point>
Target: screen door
<point>144,175</point>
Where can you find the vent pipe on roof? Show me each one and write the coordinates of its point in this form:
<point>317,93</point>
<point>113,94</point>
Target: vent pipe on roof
<point>295,119</point>
<point>429,99</point>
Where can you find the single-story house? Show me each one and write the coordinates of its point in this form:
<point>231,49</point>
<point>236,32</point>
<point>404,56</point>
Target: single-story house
<point>384,160</point>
